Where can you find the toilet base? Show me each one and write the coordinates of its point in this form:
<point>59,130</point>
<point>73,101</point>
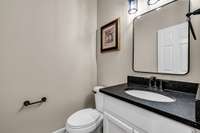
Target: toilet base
<point>62,130</point>
<point>98,130</point>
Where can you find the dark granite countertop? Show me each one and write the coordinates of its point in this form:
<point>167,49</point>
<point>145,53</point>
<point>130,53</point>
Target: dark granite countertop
<point>182,110</point>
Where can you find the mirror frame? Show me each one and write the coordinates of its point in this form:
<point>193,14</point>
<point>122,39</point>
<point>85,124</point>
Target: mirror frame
<point>189,35</point>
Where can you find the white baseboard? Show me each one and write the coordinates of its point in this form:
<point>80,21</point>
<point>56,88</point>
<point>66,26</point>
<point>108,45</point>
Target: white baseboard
<point>62,130</point>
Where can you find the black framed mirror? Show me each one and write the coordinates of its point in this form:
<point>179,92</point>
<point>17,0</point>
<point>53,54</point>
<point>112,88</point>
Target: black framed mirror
<point>161,42</point>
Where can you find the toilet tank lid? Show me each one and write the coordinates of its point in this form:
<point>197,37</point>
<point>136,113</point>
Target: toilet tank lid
<point>97,88</point>
<point>83,118</point>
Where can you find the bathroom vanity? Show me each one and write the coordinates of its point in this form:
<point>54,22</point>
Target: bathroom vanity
<point>124,113</point>
<point>167,106</point>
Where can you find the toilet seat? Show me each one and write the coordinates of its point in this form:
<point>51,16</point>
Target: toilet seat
<point>84,121</point>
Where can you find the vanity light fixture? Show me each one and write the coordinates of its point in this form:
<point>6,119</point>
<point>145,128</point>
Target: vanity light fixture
<point>133,6</point>
<point>152,2</point>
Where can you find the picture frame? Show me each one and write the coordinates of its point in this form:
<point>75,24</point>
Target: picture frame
<point>110,36</point>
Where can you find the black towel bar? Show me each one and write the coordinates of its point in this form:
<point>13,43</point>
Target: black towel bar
<point>28,103</point>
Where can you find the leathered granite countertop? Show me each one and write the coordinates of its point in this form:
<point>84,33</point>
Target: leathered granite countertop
<point>182,110</point>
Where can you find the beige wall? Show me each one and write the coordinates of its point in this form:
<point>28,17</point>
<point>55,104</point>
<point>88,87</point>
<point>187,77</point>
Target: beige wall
<point>47,48</point>
<point>113,67</point>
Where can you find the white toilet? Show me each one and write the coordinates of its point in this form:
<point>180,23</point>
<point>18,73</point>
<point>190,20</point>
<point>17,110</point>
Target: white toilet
<point>87,120</point>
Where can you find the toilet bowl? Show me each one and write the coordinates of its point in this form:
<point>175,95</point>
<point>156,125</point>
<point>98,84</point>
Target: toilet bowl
<point>87,120</point>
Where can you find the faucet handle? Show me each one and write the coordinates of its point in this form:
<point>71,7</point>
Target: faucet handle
<point>159,84</point>
<point>198,93</point>
<point>152,82</point>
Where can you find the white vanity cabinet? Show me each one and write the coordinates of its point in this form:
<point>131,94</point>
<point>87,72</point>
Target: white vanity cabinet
<point>114,125</point>
<point>122,117</point>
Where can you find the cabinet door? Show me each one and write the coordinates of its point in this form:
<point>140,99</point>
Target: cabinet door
<point>114,125</point>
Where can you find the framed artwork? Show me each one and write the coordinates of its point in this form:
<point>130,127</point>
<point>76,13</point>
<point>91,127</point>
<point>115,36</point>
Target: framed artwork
<point>110,36</point>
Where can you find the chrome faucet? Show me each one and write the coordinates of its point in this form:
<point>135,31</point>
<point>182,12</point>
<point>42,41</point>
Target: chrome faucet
<point>155,84</point>
<point>152,82</point>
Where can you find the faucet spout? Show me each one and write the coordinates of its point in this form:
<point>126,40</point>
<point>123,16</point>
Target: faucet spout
<point>155,84</point>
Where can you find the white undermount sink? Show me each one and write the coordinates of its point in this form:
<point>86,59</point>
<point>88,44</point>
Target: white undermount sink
<point>150,96</point>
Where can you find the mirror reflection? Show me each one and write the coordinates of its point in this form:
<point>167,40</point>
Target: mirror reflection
<point>163,37</point>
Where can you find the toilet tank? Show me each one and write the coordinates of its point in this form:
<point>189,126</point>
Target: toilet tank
<point>98,98</point>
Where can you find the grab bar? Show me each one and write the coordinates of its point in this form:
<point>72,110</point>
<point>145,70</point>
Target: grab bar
<point>28,103</point>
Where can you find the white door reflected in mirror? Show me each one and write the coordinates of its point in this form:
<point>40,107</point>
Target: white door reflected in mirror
<point>173,49</point>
